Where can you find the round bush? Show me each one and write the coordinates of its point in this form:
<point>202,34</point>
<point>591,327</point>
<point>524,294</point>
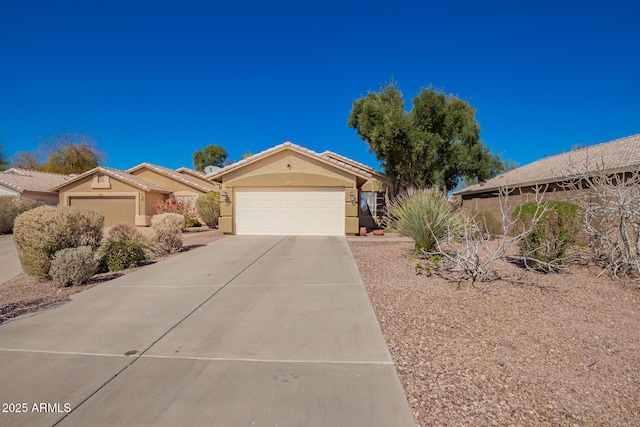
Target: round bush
<point>73,266</point>
<point>125,247</point>
<point>41,232</point>
<point>167,232</point>
<point>10,208</point>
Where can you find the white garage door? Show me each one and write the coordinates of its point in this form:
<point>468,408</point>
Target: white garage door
<point>290,211</point>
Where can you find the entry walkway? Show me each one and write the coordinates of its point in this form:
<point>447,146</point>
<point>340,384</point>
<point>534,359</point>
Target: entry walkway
<point>247,331</point>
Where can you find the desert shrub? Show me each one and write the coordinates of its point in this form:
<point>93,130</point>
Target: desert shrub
<point>488,223</point>
<point>125,247</point>
<point>611,210</point>
<point>41,232</point>
<point>167,232</point>
<point>10,208</point>
<point>552,234</point>
<point>73,266</point>
<point>208,206</point>
<point>179,206</point>
<point>425,215</point>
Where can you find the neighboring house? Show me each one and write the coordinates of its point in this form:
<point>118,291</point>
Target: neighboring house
<point>32,185</point>
<point>197,175</point>
<point>290,190</point>
<point>553,173</point>
<point>129,197</point>
<point>183,186</point>
<point>121,197</point>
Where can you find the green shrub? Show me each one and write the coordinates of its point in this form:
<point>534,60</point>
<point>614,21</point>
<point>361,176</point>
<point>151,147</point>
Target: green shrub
<point>10,208</point>
<point>125,247</point>
<point>552,234</point>
<point>179,206</point>
<point>488,223</point>
<point>167,232</point>
<point>73,266</point>
<point>208,206</point>
<point>426,216</point>
<point>41,232</point>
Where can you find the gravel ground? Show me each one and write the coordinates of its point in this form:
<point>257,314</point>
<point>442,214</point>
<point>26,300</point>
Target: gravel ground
<point>24,294</point>
<point>540,350</point>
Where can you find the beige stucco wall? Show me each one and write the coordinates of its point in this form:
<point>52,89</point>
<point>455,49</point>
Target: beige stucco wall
<point>288,169</point>
<point>166,182</point>
<point>46,198</point>
<point>85,187</point>
<point>490,202</point>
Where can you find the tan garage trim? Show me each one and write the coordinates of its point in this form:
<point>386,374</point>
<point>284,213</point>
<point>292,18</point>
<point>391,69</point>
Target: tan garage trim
<point>116,209</point>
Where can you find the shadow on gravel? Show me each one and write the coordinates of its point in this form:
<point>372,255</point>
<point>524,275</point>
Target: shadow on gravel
<point>15,309</point>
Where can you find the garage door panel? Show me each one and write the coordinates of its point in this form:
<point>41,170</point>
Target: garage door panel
<point>290,211</point>
<point>116,210</point>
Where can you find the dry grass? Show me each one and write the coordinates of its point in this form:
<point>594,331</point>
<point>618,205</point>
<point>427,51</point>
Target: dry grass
<point>24,294</point>
<point>546,350</point>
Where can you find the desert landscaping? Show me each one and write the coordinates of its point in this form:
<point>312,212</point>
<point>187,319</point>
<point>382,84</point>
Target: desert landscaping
<point>533,349</point>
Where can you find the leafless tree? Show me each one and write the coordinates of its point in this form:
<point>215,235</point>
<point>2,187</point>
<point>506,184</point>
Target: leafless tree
<point>470,252</point>
<point>611,205</point>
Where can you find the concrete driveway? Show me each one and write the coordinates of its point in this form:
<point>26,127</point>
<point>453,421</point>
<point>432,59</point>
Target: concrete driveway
<point>9,262</point>
<point>247,331</point>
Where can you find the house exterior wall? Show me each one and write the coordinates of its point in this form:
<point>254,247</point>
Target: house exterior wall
<point>167,182</point>
<point>91,186</point>
<point>288,169</point>
<point>50,199</point>
<point>490,201</point>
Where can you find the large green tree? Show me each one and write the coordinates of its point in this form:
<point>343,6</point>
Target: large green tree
<point>63,152</point>
<point>436,143</point>
<point>213,155</point>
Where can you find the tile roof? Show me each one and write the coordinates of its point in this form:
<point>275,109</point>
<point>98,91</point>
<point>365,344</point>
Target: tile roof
<point>185,179</point>
<point>119,175</point>
<point>191,172</point>
<point>331,154</point>
<point>613,156</point>
<point>27,180</point>
<point>295,147</point>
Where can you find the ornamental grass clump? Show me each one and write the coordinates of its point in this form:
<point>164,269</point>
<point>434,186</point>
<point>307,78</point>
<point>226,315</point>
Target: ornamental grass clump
<point>167,233</point>
<point>125,247</point>
<point>41,232</point>
<point>208,206</point>
<point>426,216</point>
<point>73,266</point>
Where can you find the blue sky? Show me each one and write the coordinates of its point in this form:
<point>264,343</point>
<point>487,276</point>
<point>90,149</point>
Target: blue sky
<point>155,81</point>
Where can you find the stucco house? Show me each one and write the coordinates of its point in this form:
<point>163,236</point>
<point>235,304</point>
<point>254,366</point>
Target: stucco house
<point>291,190</point>
<point>31,185</point>
<point>183,186</point>
<point>554,172</point>
<point>129,197</point>
<point>121,197</point>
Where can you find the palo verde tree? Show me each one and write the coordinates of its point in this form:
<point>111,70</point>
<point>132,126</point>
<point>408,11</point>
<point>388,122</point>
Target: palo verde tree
<point>213,155</point>
<point>436,143</point>
<point>63,152</point>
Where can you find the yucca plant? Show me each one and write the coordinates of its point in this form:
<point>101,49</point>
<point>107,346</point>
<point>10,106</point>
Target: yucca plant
<point>425,215</point>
